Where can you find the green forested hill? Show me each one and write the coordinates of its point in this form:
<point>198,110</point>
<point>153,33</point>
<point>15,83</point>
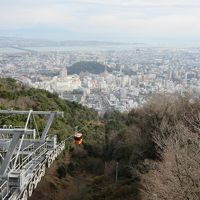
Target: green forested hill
<point>87,66</point>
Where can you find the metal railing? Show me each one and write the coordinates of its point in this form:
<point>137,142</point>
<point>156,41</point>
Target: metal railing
<point>31,155</point>
<point>4,190</point>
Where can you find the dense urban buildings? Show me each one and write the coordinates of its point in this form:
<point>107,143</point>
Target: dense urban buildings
<point>128,79</point>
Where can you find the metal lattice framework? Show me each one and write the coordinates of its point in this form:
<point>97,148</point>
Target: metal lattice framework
<point>23,156</point>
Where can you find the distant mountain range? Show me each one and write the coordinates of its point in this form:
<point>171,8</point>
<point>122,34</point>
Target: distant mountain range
<point>24,42</point>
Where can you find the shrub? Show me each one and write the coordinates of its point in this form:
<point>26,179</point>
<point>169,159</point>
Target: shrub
<point>94,165</point>
<point>62,171</point>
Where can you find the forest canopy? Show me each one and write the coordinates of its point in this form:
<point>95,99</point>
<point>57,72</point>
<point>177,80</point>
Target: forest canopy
<point>87,66</point>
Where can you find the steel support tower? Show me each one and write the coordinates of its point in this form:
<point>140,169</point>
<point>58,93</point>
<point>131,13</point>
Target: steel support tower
<point>24,155</point>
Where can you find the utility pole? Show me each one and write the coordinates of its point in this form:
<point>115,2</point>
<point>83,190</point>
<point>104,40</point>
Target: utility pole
<point>106,148</point>
<point>116,173</point>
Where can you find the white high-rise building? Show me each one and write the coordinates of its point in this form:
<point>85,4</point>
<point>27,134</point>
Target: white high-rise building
<point>63,73</point>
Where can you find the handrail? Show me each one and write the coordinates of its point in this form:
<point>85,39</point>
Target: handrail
<point>37,152</point>
<point>29,146</point>
<point>4,190</point>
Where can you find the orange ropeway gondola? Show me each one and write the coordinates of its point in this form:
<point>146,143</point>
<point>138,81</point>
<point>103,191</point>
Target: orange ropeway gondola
<point>78,138</point>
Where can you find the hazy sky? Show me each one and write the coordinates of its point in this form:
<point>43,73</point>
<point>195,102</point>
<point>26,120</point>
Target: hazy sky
<point>109,20</point>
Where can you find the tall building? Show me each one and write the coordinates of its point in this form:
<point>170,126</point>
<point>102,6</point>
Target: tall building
<point>63,73</point>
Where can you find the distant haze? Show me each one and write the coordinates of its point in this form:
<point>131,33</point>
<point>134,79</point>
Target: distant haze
<point>148,21</point>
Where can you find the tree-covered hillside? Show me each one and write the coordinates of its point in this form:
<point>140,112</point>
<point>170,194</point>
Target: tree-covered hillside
<point>87,66</point>
<point>157,151</point>
<point>150,153</point>
<point>14,95</point>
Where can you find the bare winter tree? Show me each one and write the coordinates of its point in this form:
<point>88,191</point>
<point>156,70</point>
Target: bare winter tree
<point>177,176</point>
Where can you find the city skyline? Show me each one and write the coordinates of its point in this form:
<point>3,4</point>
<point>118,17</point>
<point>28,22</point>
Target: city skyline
<point>152,21</point>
